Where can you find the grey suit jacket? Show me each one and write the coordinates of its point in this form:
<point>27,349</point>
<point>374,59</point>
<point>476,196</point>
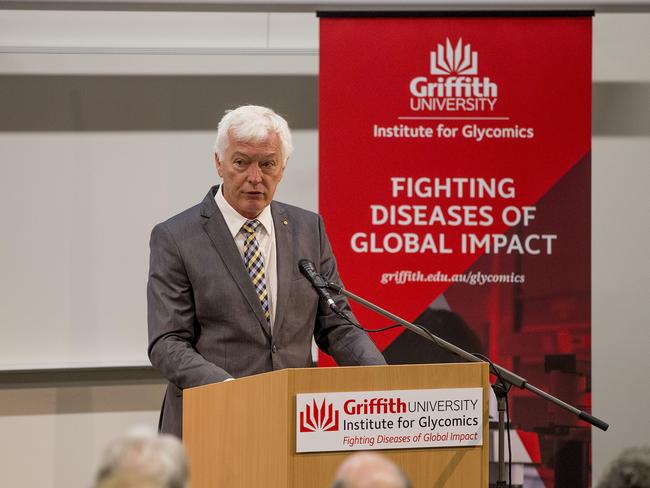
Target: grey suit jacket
<point>206,323</point>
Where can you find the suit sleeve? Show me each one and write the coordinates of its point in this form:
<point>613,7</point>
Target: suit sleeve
<point>171,317</point>
<point>348,345</point>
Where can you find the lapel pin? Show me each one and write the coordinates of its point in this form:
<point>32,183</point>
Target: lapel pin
<point>285,222</point>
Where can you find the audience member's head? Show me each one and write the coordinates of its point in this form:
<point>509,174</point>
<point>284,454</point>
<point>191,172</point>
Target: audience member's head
<point>631,469</point>
<point>143,459</point>
<point>369,470</point>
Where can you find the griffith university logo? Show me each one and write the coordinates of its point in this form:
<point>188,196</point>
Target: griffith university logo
<point>453,83</point>
<point>449,60</point>
<point>324,417</point>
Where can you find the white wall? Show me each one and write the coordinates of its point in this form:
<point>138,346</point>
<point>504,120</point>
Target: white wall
<point>620,233</point>
<point>54,425</point>
<point>79,238</point>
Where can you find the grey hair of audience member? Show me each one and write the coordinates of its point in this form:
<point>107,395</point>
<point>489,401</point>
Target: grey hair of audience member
<point>156,459</point>
<point>369,470</point>
<point>253,123</point>
<point>631,469</point>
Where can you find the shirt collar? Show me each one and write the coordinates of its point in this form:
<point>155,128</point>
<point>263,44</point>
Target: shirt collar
<point>234,220</point>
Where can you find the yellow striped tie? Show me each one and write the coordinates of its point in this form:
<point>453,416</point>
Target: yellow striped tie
<point>255,264</point>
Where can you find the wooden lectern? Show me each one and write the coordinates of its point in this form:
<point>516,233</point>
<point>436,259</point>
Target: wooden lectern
<point>243,433</point>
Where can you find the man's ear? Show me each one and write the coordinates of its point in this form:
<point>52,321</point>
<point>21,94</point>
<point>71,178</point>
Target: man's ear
<point>218,164</point>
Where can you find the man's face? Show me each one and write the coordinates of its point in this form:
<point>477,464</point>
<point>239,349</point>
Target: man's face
<point>251,171</point>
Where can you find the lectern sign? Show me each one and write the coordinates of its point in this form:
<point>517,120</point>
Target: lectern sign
<point>394,419</point>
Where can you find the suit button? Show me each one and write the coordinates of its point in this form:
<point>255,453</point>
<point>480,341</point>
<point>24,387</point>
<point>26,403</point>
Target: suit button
<point>274,349</point>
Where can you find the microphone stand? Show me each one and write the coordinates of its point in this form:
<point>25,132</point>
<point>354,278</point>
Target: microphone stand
<point>505,378</point>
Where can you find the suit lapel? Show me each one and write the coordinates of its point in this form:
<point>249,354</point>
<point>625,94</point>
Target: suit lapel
<point>285,260</point>
<point>217,230</point>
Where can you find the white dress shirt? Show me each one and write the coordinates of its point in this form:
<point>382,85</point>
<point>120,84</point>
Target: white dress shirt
<point>265,238</point>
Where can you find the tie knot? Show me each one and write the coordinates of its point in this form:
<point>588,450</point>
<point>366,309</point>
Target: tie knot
<point>250,226</point>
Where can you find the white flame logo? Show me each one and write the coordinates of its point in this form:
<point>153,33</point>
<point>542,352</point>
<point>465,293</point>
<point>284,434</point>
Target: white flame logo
<point>459,60</point>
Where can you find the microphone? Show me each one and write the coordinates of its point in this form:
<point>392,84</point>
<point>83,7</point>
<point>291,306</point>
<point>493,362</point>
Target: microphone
<point>307,268</point>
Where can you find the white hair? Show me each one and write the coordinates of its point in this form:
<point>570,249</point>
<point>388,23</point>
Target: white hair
<point>253,123</point>
<point>143,454</point>
<point>368,469</point>
<point>630,469</point>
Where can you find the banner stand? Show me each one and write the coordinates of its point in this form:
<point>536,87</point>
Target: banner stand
<point>465,139</point>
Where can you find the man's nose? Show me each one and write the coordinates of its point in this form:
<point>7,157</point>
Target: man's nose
<point>254,174</point>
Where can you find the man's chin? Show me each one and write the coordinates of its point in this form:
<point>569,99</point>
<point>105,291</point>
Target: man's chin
<point>252,211</point>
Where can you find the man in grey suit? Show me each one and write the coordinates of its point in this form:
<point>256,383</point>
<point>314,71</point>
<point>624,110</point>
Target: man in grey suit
<point>225,296</point>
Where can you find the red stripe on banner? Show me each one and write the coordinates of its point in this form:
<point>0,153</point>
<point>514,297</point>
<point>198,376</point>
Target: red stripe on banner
<point>530,440</point>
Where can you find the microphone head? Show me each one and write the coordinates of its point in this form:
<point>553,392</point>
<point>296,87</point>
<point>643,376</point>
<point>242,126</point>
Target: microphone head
<point>306,267</point>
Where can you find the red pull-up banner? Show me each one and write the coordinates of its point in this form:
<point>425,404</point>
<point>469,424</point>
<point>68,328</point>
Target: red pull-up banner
<point>454,181</point>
